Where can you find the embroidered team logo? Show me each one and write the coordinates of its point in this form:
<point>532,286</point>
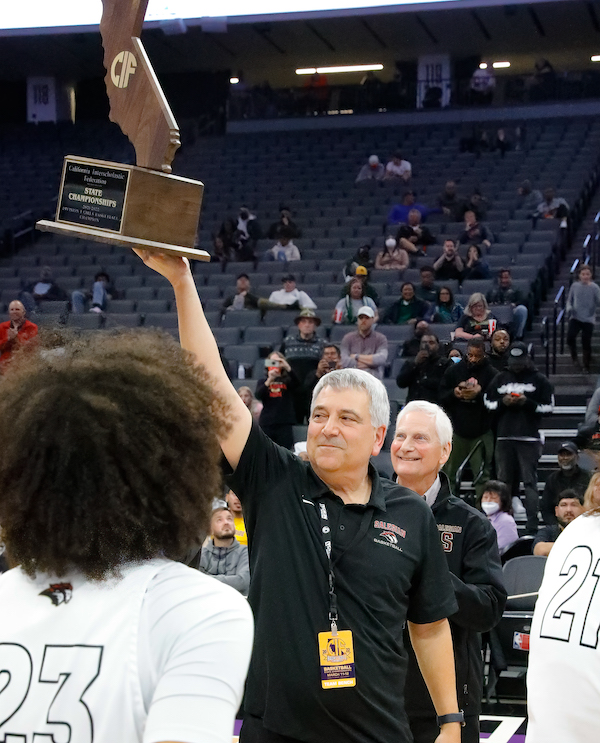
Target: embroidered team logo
<point>390,536</point>
<point>58,593</point>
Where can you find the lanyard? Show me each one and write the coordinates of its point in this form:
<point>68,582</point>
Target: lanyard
<point>326,536</point>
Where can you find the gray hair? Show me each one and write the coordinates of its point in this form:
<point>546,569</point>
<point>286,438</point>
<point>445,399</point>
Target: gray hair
<point>443,426</point>
<point>473,299</point>
<point>357,379</point>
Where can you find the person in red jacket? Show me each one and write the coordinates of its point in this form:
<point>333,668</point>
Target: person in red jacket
<point>15,332</point>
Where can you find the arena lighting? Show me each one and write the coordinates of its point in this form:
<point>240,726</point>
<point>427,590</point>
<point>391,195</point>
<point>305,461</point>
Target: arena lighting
<point>483,66</point>
<point>500,65</point>
<point>595,58</point>
<point>341,68</point>
<point>234,80</point>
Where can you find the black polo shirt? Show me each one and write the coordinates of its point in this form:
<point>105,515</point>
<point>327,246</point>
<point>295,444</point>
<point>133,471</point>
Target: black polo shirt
<point>389,567</point>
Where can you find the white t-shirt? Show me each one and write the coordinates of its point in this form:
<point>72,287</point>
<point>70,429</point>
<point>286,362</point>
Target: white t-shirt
<point>563,679</point>
<point>282,297</point>
<point>160,654</point>
<point>399,170</point>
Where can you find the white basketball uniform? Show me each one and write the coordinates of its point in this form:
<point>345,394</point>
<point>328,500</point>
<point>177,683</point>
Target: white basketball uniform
<point>563,679</point>
<point>88,662</point>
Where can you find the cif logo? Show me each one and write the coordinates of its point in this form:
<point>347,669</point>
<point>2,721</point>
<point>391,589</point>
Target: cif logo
<point>128,64</point>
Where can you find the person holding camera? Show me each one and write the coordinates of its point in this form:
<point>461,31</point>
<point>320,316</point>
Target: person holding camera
<point>276,392</point>
<point>423,374</point>
<point>330,360</point>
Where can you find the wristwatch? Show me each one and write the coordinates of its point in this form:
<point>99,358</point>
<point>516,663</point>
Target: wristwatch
<point>453,717</point>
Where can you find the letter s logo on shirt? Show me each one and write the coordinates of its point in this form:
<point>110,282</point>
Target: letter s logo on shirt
<point>447,538</point>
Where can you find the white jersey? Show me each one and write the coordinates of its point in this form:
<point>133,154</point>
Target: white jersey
<point>159,654</point>
<point>563,680</point>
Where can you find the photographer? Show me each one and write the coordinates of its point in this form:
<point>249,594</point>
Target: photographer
<point>276,392</point>
<point>423,374</point>
<point>330,360</point>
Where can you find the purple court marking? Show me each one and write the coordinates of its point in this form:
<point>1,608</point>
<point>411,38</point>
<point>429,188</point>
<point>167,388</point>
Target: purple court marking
<point>514,739</point>
<point>237,727</point>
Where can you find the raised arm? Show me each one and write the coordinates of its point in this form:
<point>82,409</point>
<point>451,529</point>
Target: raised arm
<point>196,336</point>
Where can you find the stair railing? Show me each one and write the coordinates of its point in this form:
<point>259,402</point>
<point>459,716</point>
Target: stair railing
<point>558,318</point>
<point>545,338</point>
<point>476,477</point>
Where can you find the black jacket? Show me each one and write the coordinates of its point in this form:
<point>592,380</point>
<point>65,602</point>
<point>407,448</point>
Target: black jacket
<point>520,421</point>
<point>469,419</point>
<point>471,548</point>
<point>558,481</point>
<point>423,380</point>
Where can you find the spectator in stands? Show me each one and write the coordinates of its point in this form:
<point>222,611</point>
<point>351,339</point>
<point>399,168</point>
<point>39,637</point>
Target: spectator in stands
<point>477,321</point>
<point>284,250</point>
<point>398,167</point>
<point>277,391</point>
<point>243,299</point>
<point>15,332</point>
<point>501,143</point>
<point>592,411</point>
<point>499,344</point>
<point>392,257</point>
<point>477,204</point>
<point>412,346</point>
<point>496,504</point>
<point>284,223</point>
<point>582,304</point>
<point>102,291</point>
<point>253,405</point>
<point>346,310</point>
<point>363,276</point>
<point>474,233</point>
<point>235,506</point>
<point>568,506</point>
<point>446,310</point>
<point>449,265</point>
<point>400,212</point>
<point>552,206</point>
<point>482,85</point>
<point>408,309</point>
<point>451,204</point>
<point>372,170</point>
<point>222,253</point>
<point>520,397</point>
<point>461,394</point>
<point>423,374</point>
<point>303,350</point>
<point>503,294</point>
<point>455,355</point>
<point>420,447</point>
<point>290,296</point>
<point>542,82</point>
<point>568,476</point>
<point>43,290</point>
<point>475,266</point>
<point>528,197</point>
<point>249,232</point>
<point>365,348</point>
<point>362,257</point>
<point>413,236</point>
<point>223,556</point>
<point>426,289</point>
<point>330,360</point>
<point>591,497</point>
<point>229,236</point>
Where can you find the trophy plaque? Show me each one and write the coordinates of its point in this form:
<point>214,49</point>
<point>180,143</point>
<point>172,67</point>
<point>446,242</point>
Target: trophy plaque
<point>141,205</point>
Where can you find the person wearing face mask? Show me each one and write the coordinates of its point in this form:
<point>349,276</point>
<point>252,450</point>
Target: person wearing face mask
<point>520,396</point>
<point>496,504</point>
<point>569,475</point>
<point>461,395</point>
<point>392,257</point>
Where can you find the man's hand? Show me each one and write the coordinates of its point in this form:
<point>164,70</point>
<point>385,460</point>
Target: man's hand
<point>458,392</point>
<point>172,267</point>
<point>322,368</point>
<point>449,733</point>
<point>421,357</point>
<point>514,399</point>
<point>12,333</point>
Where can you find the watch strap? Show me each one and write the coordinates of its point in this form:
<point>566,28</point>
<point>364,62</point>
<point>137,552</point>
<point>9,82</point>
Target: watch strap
<point>453,717</point>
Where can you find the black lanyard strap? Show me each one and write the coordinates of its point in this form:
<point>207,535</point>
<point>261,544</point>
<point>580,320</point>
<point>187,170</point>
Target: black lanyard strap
<point>326,536</point>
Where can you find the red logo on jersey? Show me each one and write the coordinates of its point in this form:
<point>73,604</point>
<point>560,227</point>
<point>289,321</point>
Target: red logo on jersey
<point>58,593</point>
<point>447,538</point>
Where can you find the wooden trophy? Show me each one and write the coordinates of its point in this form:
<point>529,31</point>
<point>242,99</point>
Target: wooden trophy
<point>139,205</point>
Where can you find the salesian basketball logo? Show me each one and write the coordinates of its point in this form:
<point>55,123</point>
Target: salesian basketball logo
<point>392,538</point>
<point>121,69</point>
<point>58,593</point>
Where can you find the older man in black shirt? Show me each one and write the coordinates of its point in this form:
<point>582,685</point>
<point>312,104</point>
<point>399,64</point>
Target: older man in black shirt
<point>339,561</point>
